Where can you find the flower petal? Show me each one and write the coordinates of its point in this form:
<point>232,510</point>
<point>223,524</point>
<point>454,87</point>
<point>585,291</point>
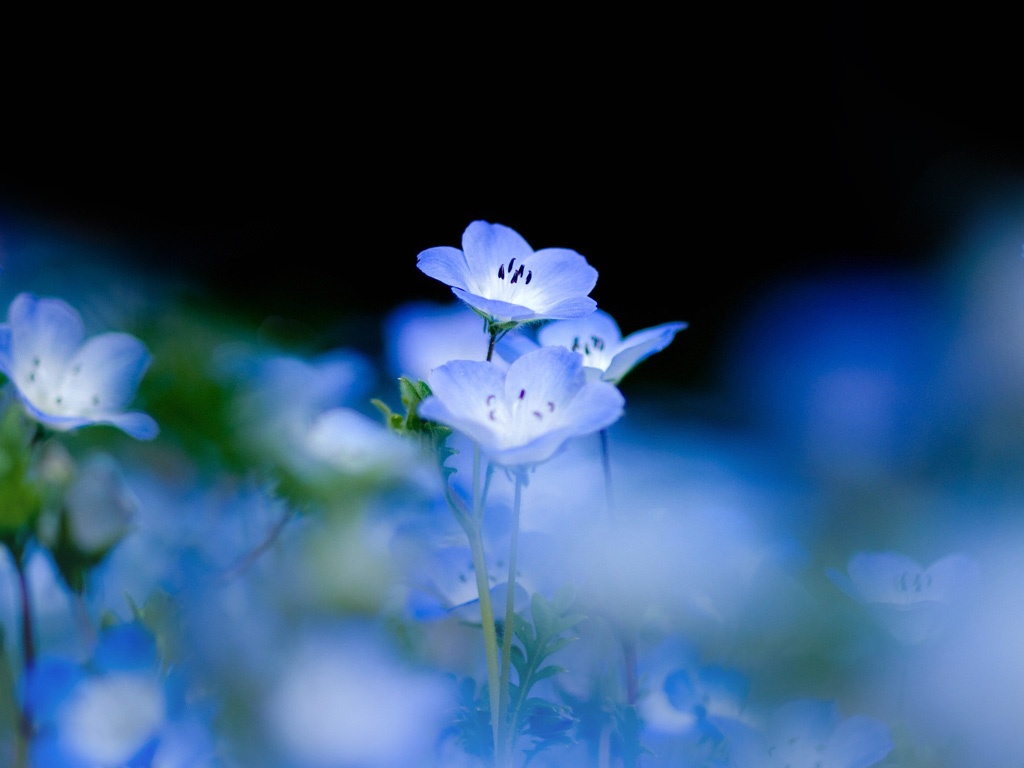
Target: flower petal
<point>446,264</point>
<point>562,278</point>
<point>45,333</point>
<point>487,246</point>
<point>638,346</point>
<point>104,374</point>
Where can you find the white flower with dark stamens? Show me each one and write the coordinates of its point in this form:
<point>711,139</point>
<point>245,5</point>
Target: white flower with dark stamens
<point>504,280</point>
<point>65,381</point>
<point>605,352</point>
<point>521,416</point>
<point>912,602</point>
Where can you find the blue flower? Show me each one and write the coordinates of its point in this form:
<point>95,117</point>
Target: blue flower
<point>522,416</point>
<point>505,281</point>
<point>810,732</point>
<point>65,381</point>
<point>119,708</point>
<point>421,335</point>
<point>605,352</point>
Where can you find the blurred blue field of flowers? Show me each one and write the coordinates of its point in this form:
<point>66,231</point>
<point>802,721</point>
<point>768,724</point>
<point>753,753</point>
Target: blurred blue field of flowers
<point>818,564</point>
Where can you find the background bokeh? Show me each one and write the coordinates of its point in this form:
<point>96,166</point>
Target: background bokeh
<point>694,163</point>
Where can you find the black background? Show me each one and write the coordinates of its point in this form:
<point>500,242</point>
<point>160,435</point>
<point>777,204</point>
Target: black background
<point>297,167</point>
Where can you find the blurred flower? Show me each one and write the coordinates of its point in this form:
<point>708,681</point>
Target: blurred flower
<point>65,382</point>
<point>505,281</point>
<point>523,416</point>
<point>100,507</point>
<point>912,602</point>
<point>347,441</point>
<point>809,733</point>
<point>346,698</point>
<point>115,710</point>
<point>421,335</point>
<point>684,703</point>
<point>437,563</point>
<point>280,395</point>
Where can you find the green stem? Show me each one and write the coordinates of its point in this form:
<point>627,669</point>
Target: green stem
<point>508,727</point>
<point>490,634</point>
<point>476,542</point>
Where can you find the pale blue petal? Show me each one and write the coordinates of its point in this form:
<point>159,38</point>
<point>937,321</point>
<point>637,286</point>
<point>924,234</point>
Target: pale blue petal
<point>499,310</point>
<point>105,373</point>
<point>514,345</point>
<point>546,375</point>
<point>877,576</point>
<point>446,264</point>
<point>487,246</point>
<point>575,306</point>
<point>141,426</point>
<point>45,333</point>
<point>639,346</point>
<point>597,406</point>
<point>953,577</point>
<point>461,391</point>
<point>859,742</point>
<point>560,277</point>
<point>810,718</point>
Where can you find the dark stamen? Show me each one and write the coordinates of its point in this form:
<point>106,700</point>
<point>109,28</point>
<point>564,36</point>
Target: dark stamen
<point>522,393</point>
<point>551,406</point>
<point>537,414</point>
<point>529,276</point>
<point>491,415</point>
<point>490,399</point>
<point>501,272</point>
<point>511,262</point>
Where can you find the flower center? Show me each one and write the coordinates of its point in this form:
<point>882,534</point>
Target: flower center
<point>514,275</point>
<point>917,582</point>
<point>523,418</point>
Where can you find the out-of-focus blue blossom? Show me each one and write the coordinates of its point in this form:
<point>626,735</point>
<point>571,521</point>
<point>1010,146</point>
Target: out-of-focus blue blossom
<point>432,551</point>
<point>913,602</point>
<point>504,280</point>
<point>300,413</point>
<point>682,696</point>
<point>122,708</point>
<point>100,505</point>
<point>812,733</point>
<point>56,620</point>
<point>522,416</point>
<point>346,698</point>
<point>597,337</point>
<point>279,395</point>
<point>348,442</point>
<point>66,381</point>
<point>421,335</point>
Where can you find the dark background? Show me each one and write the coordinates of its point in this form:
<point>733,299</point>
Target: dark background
<point>693,161</point>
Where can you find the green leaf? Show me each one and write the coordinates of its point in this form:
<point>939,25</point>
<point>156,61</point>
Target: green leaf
<point>545,672</point>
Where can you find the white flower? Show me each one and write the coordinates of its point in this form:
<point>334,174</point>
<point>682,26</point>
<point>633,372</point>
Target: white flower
<point>605,352</point>
<point>65,381</point>
<point>521,416</point>
<point>504,280</point>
